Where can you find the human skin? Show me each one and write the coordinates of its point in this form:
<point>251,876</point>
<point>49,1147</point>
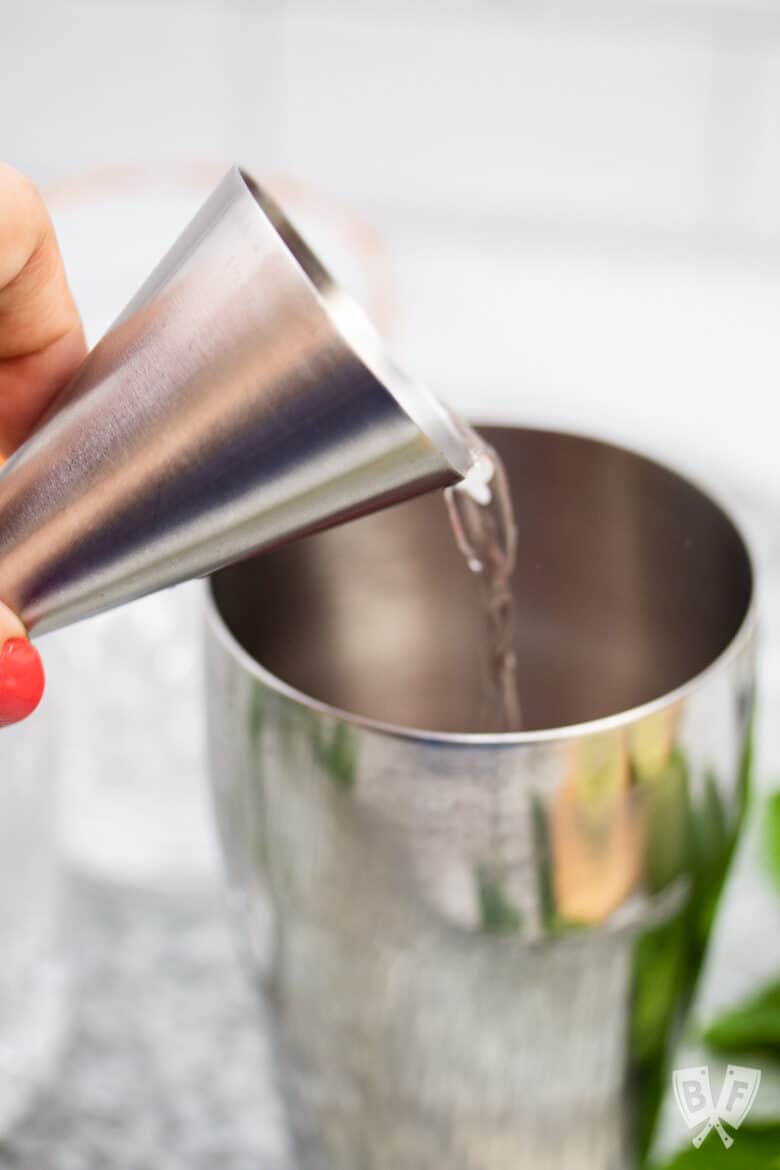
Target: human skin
<point>41,345</point>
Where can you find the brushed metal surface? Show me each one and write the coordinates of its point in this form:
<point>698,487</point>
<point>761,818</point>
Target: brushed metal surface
<point>478,947</point>
<point>241,399</point>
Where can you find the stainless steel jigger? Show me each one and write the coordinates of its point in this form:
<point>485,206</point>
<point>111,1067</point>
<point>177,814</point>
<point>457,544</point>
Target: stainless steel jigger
<point>240,400</point>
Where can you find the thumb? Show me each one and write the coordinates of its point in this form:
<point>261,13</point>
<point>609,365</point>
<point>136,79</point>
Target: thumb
<point>41,341</point>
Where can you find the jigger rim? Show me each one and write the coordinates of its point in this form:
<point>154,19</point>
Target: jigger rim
<point>353,325</point>
<point>620,719</point>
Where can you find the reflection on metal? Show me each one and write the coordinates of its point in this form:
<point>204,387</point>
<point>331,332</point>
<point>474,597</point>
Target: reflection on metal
<point>240,400</point>
<point>478,947</point>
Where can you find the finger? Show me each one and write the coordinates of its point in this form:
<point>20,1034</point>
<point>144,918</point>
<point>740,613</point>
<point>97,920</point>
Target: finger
<point>41,339</point>
<point>10,625</point>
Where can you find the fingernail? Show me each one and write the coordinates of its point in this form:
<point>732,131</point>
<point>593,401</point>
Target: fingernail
<point>21,680</point>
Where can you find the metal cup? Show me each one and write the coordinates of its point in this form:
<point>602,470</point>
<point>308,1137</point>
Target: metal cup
<point>478,947</point>
<point>240,400</point>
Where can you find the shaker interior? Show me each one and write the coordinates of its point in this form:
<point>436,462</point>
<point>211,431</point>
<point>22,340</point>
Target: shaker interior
<point>629,582</point>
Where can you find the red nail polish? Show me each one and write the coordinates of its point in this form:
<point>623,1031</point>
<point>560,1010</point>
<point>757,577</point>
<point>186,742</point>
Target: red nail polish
<point>21,680</point>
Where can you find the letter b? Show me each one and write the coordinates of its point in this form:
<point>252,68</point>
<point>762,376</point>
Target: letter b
<point>694,1096</point>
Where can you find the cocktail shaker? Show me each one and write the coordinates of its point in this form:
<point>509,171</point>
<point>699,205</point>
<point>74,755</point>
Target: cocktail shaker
<point>478,948</point>
<point>240,400</point>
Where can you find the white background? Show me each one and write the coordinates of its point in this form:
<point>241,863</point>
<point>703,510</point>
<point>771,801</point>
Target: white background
<point>578,201</point>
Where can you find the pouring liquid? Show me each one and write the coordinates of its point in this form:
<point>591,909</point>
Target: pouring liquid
<point>483,523</point>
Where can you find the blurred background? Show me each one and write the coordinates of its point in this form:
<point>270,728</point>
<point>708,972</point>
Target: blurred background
<point>579,199</point>
<point>564,213</point>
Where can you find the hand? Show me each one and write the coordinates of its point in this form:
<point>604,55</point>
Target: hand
<point>41,345</point>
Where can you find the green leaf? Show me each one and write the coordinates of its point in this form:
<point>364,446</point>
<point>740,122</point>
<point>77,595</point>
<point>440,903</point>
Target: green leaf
<point>669,823</point>
<point>543,860</point>
<point>669,960</point>
<point>713,847</point>
<point>496,911</point>
<point>746,766</point>
<point>756,1147</point>
<point>337,752</point>
<point>772,830</point>
<point>659,976</point>
<point>754,1024</point>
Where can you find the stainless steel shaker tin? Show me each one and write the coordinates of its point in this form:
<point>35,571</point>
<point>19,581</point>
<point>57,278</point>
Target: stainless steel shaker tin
<point>478,947</point>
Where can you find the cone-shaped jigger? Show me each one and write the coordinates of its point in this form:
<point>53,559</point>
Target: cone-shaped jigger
<point>239,401</point>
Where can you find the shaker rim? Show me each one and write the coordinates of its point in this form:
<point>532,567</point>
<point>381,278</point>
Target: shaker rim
<point>740,640</point>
